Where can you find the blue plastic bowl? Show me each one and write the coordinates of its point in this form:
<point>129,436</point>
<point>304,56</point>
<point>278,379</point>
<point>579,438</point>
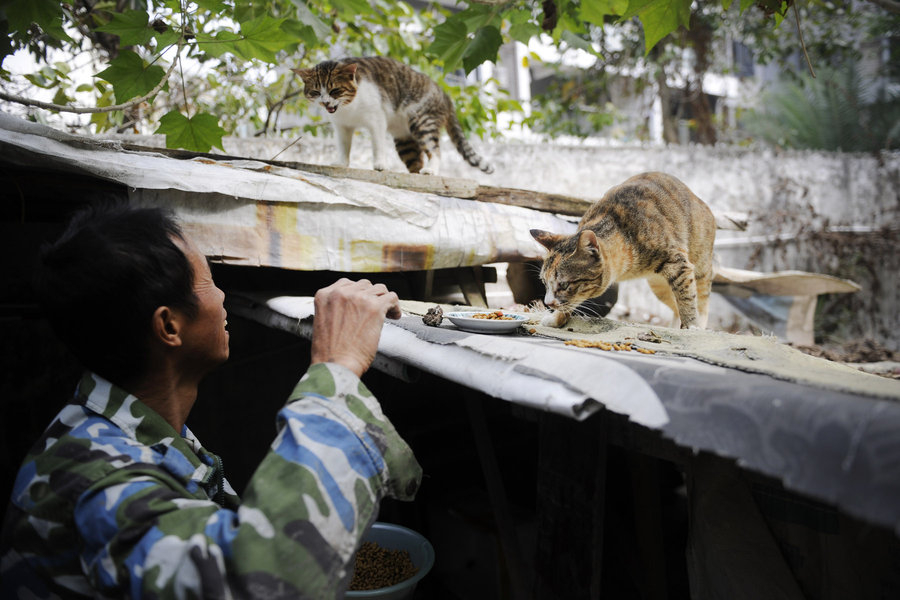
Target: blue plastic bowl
<point>395,537</point>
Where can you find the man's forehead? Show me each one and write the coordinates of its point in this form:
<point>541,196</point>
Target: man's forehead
<point>192,253</point>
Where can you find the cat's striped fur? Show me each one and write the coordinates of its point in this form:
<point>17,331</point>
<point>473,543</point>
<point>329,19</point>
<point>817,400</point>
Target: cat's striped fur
<point>651,226</point>
<point>381,94</point>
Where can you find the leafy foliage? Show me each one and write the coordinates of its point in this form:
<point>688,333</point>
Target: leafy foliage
<point>836,111</point>
<point>231,58</point>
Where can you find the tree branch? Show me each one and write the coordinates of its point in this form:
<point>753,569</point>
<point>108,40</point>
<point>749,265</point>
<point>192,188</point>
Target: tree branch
<point>84,110</point>
<point>802,43</point>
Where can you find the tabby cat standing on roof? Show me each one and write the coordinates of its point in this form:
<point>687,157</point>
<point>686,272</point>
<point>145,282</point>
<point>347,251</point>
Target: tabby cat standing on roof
<point>382,95</point>
<point>651,226</point>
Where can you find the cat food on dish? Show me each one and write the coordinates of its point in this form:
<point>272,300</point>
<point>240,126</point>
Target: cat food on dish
<point>484,323</point>
<point>497,315</point>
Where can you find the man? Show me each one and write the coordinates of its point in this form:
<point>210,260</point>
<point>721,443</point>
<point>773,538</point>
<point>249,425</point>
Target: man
<point>119,499</point>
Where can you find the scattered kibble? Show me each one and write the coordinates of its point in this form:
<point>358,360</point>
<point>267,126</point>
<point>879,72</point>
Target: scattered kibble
<point>589,344</point>
<point>618,346</point>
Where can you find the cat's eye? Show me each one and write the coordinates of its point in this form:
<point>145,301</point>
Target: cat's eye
<point>314,94</point>
<point>562,286</point>
<point>334,92</point>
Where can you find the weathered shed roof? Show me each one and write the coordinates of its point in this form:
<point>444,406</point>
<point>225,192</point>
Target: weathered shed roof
<point>250,212</point>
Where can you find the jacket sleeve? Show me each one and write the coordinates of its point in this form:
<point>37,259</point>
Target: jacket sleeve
<point>303,512</point>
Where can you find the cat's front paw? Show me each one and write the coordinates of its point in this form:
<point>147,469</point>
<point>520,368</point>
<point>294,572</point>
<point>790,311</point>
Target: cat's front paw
<point>555,319</point>
<point>429,171</point>
<point>380,166</point>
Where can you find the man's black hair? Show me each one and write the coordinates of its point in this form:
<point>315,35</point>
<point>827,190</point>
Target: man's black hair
<point>101,281</point>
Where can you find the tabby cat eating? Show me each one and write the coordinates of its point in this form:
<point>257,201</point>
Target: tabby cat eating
<point>382,95</point>
<point>650,226</point>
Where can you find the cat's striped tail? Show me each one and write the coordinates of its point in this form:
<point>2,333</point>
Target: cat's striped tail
<point>454,130</point>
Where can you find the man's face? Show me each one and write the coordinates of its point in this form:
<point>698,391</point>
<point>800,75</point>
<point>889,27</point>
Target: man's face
<point>205,337</point>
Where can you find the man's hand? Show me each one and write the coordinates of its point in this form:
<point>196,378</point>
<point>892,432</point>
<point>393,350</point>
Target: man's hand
<point>348,320</point>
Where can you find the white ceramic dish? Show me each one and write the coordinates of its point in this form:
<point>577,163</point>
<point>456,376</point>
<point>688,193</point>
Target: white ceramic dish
<point>465,321</point>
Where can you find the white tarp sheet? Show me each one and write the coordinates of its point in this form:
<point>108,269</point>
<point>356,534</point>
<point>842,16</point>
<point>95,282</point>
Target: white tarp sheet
<point>520,370</point>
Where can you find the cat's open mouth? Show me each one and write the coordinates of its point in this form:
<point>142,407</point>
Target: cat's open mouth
<point>331,109</point>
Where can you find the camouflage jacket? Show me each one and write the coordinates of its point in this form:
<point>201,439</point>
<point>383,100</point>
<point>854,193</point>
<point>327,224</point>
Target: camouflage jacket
<point>112,503</point>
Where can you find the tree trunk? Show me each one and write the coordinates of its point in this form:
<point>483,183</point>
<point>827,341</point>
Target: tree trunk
<point>670,131</point>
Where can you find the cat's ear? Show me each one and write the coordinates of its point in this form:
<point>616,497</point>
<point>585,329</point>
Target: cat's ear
<point>587,241</point>
<point>546,239</point>
<point>304,73</point>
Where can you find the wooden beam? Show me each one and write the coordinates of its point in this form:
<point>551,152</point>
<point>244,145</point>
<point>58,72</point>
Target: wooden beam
<point>454,187</point>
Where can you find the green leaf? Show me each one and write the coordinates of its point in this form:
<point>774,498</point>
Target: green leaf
<point>579,42</point>
<point>199,133</point>
<point>595,12</point>
<point>167,38</point>
<point>483,48</point>
<point>132,27</point>
<point>130,76</point>
<point>61,97</point>
<point>476,16</point>
<point>300,32</point>
<point>307,17</point>
<point>47,14</point>
<point>523,32</point>
<point>726,4</point>
<point>450,43</point>
<point>224,42</point>
<point>247,11</point>
<point>659,18</point>
<point>780,14</point>
<point>745,4</point>
<point>262,38</point>
<point>39,79</point>
<point>352,7</point>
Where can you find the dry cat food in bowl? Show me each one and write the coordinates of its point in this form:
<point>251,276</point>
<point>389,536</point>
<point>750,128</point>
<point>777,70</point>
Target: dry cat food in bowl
<point>392,557</point>
<point>496,315</point>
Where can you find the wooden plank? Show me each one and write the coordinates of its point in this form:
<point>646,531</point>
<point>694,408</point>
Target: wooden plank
<point>542,201</point>
<point>427,184</point>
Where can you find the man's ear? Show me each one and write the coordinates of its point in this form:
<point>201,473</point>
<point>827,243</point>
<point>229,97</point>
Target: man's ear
<point>166,326</point>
